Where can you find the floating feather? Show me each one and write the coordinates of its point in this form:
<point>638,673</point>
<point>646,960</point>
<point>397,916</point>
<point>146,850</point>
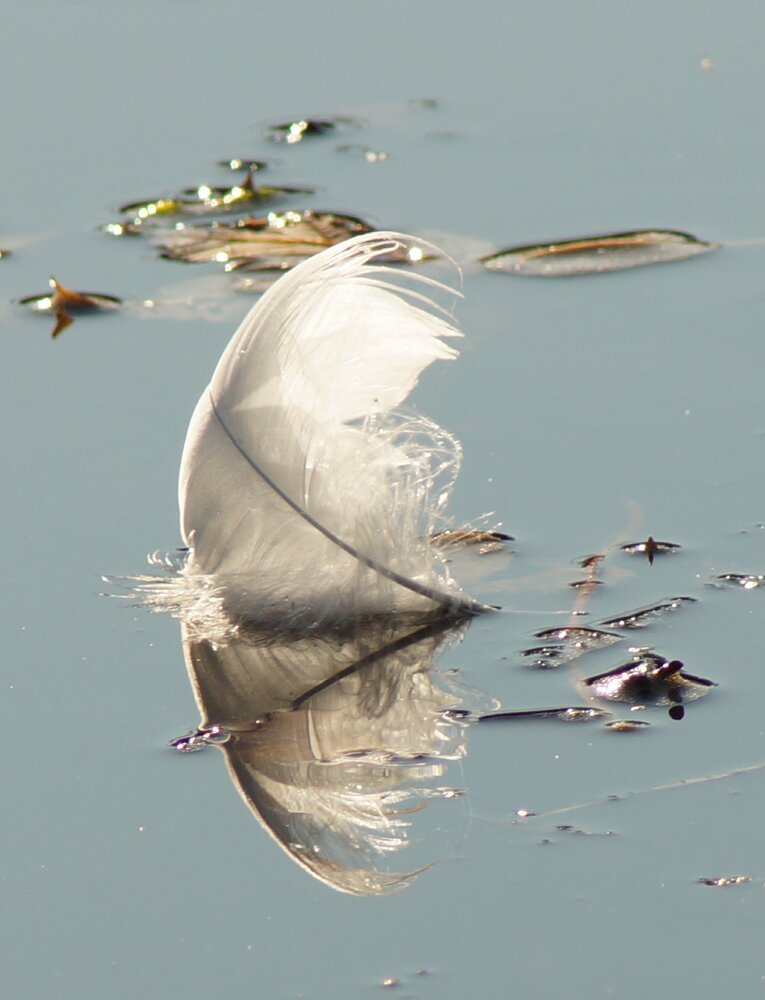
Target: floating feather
<point>306,494</point>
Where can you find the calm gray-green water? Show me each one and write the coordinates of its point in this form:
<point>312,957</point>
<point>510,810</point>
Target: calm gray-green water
<point>592,411</point>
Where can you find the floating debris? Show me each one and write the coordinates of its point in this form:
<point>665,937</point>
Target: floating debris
<point>242,163</point>
<point>641,617</point>
<point>579,636</point>
<point>576,714</point>
<point>295,131</point>
<point>65,304</point>
<point>591,561</point>
<point>649,679</point>
<point>200,738</point>
<point>590,564</point>
<point>724,881</point>
<point>579,832</point>
<point>747,581</point>
<point>370,155</point>
<point>123,228</point>
<point>544,657</point>
<point>626,725</point>
<point>274,242</point>
<point>206,199</point>
<point>568,643</point>
<point>651,548</point>
<point>489,541</point>
<point>594,254</point>
<point>5,253</point>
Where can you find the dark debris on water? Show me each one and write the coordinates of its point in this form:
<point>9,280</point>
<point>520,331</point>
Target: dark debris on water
<point>65,303</point>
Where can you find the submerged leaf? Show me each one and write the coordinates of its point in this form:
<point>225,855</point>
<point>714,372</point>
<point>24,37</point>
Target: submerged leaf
<point>649,679</point>
<point>592,254</point>
<point>65,303</point>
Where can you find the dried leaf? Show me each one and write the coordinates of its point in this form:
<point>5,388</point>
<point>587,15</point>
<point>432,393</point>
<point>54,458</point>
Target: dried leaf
<point>593,254</point>
<point>275,241</point>
<point>65,303</point>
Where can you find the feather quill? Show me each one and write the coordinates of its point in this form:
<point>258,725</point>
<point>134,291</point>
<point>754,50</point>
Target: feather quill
<point>305,492</point>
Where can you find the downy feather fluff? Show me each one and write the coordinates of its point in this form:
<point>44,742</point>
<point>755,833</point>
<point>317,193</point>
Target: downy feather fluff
<point>305,493</point>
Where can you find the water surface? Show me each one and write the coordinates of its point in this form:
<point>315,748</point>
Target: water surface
<point>592,412</point>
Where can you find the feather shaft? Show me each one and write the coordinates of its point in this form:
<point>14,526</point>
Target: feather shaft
<point>449,602</point>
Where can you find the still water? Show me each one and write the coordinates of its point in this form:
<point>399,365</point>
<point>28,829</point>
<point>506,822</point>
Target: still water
<point>592,411</point>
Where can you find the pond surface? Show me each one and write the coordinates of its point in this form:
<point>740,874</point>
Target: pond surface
<point>593,412</point>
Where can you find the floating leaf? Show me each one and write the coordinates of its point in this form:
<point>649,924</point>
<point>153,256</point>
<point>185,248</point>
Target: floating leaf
<point>207,199</point>
<point>651,548</point>
<point>649,679</point>
<point>641,617</point>
<point>65,304</point>
<point>724,881</point>
<point>592,254</point>
<point>277,241</point>
<point>567,643</point>
<point>747,581</point>
<point>295,131</point>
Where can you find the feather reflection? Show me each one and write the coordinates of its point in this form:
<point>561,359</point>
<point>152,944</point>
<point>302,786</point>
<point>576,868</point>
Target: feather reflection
<point>333,742</point>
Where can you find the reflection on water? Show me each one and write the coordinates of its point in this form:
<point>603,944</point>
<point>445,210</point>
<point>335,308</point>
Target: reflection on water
<point>333,741</point>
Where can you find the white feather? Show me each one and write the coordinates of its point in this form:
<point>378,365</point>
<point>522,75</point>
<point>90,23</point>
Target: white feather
<point>303,490</point>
